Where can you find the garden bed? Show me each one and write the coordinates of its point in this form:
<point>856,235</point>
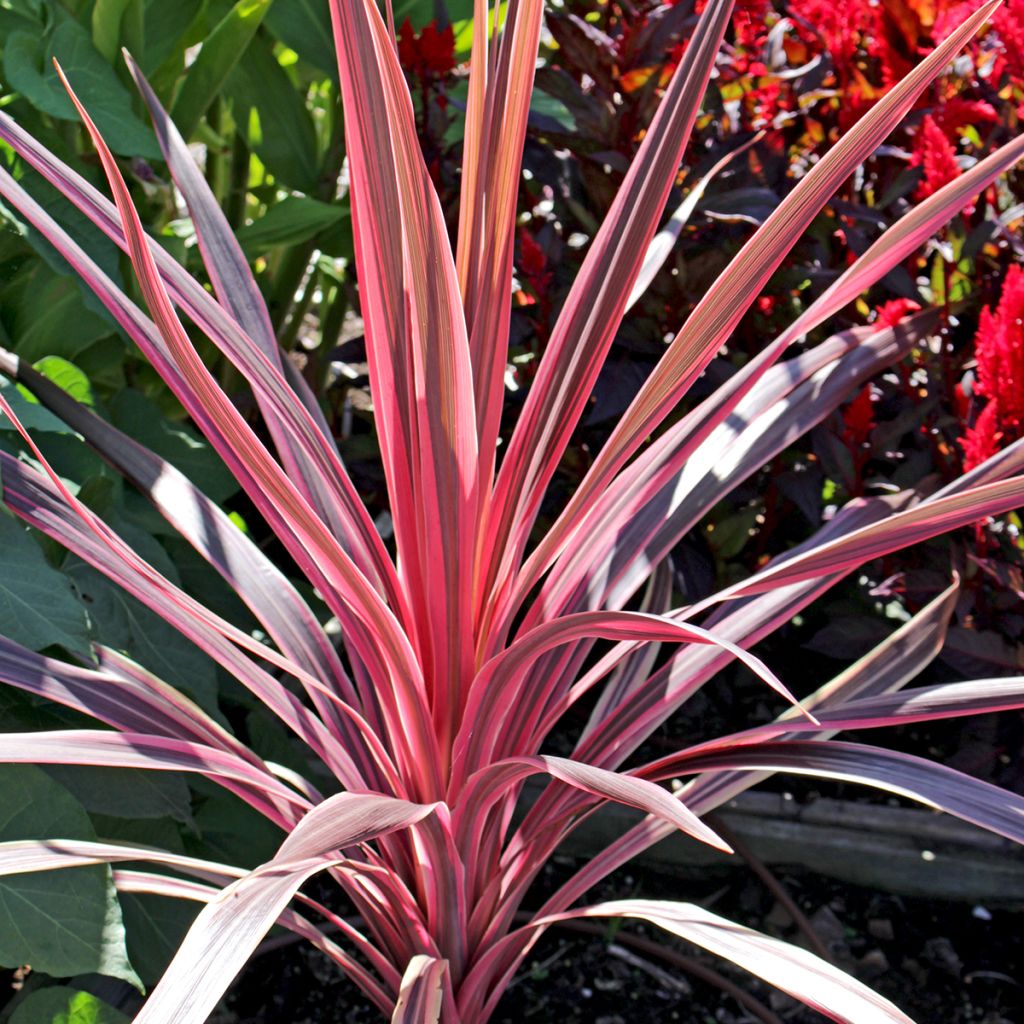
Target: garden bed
<point>942,962</point>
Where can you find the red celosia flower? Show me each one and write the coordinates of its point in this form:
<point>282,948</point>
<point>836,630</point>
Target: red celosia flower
<point>957,113</point>
<point>892,312</point>
<point>999,348</point>
<point>982,440</point>
<point>839,25</point>
<point>858,419</point>
<point>1008,22</point>
<point>934,153</point>
<point>430,54</point>
<point>533,262</point>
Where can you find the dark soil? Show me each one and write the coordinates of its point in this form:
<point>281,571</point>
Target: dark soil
<point>942,963</point>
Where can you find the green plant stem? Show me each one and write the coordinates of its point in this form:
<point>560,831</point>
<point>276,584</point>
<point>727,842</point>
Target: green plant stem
<point>216,169</point>
<point>296,261</point>
<point>330,325</point>
<point>238,184</point>
<point>290,330</point>
<point>290,271</point>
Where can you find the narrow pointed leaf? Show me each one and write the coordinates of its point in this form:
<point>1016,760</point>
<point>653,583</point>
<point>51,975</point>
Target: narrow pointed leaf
<point>229,929</point>
<point>487,785</point>
<point>422,993</point>
<point>592,311</point>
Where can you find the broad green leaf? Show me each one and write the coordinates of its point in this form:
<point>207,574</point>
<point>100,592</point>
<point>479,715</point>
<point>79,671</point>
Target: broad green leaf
<point>37,605</point>
<point>550,107</point>
<point>103,363</point>
<point>156,927</point>
<point>68,377</point>
<point>106,26</point>
<point>82,230</point>
<point>61,922</point>
<point>305,27</point>
<point>26,8</point>
<point>463,31</point>
<point>13,21</point>
<point>49,318</point>
<point>229,830</point>
<point>221,51</point>
<point>133,413</point>
<point>59,1005</point>
<point>30,412</point>
<point>169,27</point>
<point>293,220</point>
<point>127,625</point>
<point>280,126</point>
<point>155,924</point>
<point>31,72</point>
<point>126,792</point>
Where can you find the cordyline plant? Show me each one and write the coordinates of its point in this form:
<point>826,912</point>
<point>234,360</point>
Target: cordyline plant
<point>463,653</point>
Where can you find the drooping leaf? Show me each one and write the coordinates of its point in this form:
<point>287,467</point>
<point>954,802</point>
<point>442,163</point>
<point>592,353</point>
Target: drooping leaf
<point>794,970</point>
<point>422,992</point>
<point>228,929</point>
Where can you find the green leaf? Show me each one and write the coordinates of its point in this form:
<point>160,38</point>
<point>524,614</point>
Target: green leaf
<point>106,26</point>
<point>109,103</point>
<point>280,125</point>
<point>30,412</point>
<point>305,27</point>
<point>137,416</point>
<point>12,21</point>
<point>156,925</point>
<point>126,792</point>
<point>168,28</point>
<point>463,31</point>
<point>68,377</point>
<point>229,830</point>
<point>49,318</point>
<point>550,107</point>
<point>126,624</point>
<point>221,51</point>
<point>76,224</point>
<point>293,220</point>
<point>422,12</point>
<point>37,605</point>
<point>61,922</point>
<point>59,1005</point>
